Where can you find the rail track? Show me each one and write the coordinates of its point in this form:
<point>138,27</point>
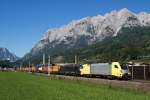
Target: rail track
<point>130,84</point>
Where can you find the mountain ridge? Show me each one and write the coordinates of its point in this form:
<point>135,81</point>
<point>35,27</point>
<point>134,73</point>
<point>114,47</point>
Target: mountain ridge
<point>87,31</point>
<point>103,26</point>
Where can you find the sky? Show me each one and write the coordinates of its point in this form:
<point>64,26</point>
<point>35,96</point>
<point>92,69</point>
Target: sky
<point>23,22</point>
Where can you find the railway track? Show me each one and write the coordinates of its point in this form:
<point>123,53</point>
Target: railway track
<point>131,84</point>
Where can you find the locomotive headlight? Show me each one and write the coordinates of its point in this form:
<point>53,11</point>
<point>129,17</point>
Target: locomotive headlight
<point>129,73</point>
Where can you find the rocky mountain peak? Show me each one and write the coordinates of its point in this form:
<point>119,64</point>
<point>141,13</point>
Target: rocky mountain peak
<point>92,29</point>
<point>5,54</point>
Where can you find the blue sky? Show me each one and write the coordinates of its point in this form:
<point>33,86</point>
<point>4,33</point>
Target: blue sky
<point>23,22</point>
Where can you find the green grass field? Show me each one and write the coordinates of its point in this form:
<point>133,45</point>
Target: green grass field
<point>24,86</point>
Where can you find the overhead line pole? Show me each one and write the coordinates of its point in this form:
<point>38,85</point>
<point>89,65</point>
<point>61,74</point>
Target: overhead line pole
<point>49,61</point>
<point>43,59</point>
<point>29,66</point>
<point>76,59</point>
<point>29,63</point>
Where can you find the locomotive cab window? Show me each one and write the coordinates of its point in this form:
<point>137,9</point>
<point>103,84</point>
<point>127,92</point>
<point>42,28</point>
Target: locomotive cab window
<point>124,66</point>
<point>116,66</point>
<point>81,66</point>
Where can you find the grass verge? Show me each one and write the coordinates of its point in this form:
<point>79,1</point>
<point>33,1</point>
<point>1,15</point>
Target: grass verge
<point>23,86</point>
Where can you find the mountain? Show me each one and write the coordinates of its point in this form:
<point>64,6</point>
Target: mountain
<point>130,44</point>
<point>5,54</point>
<point>87,31</point>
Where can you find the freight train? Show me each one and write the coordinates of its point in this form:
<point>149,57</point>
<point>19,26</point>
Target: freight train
<point>114,70</point>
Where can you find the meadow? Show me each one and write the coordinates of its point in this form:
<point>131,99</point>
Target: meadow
<point>25,86</point>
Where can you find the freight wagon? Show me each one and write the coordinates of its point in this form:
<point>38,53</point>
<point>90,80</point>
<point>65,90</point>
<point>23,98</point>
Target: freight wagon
<point>54,69</point>
<point>113,70</point>
<point>70,69</point>
<point>33,69</point>
<point>39,69</point>
<point>45,68</point>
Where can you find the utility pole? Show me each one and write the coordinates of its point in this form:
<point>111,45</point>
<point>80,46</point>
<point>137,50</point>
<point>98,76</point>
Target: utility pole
<point>49,61</point>
<point>76,59</point>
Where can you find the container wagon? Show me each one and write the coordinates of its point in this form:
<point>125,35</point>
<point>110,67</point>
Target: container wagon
<point>109,70</point>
